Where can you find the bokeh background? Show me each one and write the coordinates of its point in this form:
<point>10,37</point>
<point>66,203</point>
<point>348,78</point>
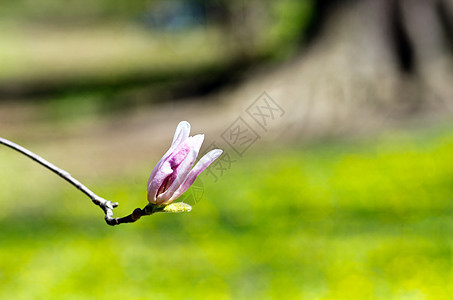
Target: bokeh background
<point>335,119</point>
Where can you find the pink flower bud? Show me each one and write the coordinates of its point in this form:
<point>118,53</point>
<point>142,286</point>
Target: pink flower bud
<point>173,174</point>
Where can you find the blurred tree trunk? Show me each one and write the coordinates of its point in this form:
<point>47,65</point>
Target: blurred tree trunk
<point>414,36</point>
<point>366,60</point>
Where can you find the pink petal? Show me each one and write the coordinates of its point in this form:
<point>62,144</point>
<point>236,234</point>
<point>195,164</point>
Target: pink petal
<point>191,146</point>
<point>181,174</point>
<point>204,162</point>
<point>170,167</point>
<point>180,153</point>
<point>181,134</point>
<point>162,173</point>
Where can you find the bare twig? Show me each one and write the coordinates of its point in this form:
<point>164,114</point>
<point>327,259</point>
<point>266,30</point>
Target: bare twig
<point>106,205</point>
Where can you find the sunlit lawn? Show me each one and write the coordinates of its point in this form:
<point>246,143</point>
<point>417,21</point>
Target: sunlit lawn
<point>337,220</point>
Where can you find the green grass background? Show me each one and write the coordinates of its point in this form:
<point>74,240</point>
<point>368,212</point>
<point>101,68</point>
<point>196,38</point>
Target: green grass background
<point>368,219</point>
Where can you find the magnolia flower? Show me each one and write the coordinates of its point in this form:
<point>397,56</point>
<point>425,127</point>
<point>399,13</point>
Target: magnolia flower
<point>172,175</point>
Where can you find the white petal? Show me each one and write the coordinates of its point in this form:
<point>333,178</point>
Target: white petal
<point>181,134</point>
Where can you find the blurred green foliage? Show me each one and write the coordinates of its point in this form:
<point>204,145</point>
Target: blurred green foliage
<point>52,10</point>
<point>291,21</point>
<point>48,42</point>
<point>338,220</point>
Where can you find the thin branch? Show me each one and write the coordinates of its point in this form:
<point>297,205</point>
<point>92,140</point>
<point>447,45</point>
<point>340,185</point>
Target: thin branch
<point>106,205</point>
